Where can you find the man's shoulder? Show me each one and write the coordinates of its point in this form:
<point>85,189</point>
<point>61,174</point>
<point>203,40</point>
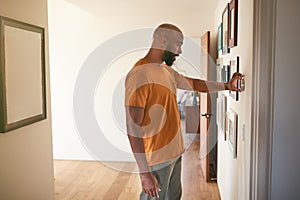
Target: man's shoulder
<point>137,71</point>
<point>140,62</point>
<point>140,67</point>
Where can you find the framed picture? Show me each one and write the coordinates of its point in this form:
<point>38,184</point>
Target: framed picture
<point>224,107</point>
<point>233,23</point>
<point>220,37</point>
<point>225,22</point>
<point>221,114</point>
<point>232,131</point>
<point>226,124</point>
<point>22,64</point>
<point>225,73</point>
<point>234,67</point>
<point>219,69</point>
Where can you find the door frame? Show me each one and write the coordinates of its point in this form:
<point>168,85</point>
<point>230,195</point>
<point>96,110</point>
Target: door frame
<point>262,99</point>
<point>204,130</point>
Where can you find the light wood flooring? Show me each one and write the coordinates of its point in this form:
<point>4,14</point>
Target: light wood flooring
<point>91,180</point>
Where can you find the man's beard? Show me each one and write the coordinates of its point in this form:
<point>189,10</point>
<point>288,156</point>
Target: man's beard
<point>168,57</point>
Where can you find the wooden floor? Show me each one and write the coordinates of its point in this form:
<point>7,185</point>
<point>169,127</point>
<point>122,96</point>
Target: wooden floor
<point>90,180</point>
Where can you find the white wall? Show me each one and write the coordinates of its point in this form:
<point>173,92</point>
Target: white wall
<point>285,156</point>
<point>233,174</point>
<point>26,153</point>
<point>77,29</point>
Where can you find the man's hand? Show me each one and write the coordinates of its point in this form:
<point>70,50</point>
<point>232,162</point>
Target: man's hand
<point>150,184</point>
<point>232,84</point>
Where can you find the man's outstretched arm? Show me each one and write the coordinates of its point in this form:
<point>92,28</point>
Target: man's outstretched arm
<point>210,86</point>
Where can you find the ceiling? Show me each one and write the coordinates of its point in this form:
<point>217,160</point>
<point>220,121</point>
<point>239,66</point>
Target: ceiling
<point>184,5</point>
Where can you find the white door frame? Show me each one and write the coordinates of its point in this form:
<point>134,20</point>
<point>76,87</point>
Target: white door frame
<point>262,99</point>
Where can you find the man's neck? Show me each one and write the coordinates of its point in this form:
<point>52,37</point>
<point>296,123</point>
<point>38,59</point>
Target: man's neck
<point>154,56</point>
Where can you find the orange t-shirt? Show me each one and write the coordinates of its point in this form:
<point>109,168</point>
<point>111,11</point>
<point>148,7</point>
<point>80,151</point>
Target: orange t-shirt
<point>153,87</point>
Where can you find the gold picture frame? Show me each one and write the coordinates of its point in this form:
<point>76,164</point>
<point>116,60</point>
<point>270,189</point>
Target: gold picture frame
<point>232,131</point>
<point>234,67</point>
<point>225,23</point>
<point>22,64</point>
<point>232,23</point>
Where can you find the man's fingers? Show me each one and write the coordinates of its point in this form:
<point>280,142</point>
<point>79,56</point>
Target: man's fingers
<point>238,75</point>
<point>235,89</point>
<point>150,193</point>
<point>153,193</point>
<point>157,189</point>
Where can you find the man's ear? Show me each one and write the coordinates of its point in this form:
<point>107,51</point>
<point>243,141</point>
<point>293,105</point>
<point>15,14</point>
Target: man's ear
<point>164,41</point>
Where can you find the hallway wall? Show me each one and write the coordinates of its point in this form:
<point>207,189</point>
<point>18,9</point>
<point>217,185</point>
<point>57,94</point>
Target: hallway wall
<point>234,174</point>
<point>26,170</point>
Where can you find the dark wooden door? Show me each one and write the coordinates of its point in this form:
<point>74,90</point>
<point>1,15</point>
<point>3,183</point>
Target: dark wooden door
<point>207,144</point>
